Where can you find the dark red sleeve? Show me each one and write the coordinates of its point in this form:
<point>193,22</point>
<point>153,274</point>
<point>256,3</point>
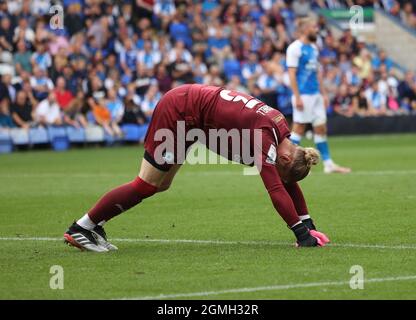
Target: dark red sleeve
<point>296,194</point>
<point>281,199</point>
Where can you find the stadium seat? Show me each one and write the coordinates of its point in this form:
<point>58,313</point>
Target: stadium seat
<point>6,145</point>
<point>75,135</point>
<point>142,131</point>
<point>38,135</point>
<point>58,138</point>
<point>94,134</point>
<point>110,140</point>
<point>131,132</point>
<point>19,136</point>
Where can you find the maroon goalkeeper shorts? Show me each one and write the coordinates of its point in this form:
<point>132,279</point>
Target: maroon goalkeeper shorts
<point>165,142</point>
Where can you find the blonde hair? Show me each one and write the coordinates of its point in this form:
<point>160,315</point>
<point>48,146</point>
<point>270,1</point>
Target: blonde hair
<point>302,22</point>
<point>304,159</point>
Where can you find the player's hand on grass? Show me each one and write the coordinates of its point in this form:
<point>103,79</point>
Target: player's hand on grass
<point>298,103</point>
<point>309,238</point>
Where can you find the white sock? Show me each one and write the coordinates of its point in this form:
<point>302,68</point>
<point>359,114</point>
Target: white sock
<point>86,223</point>
<point>304,217</point>
<point>101,223</point>
<point>328,163</point>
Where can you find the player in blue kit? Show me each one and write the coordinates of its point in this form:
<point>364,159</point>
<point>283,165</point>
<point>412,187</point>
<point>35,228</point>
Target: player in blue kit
<point>309,100</point>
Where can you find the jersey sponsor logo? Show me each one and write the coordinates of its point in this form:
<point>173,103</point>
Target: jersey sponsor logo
<point>271,154</point>
<point>264,109</point>
<point>278,118</point>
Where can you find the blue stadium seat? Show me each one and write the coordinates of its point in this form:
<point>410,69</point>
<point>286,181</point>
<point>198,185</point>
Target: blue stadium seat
<point>19,136</point>
<point>134,132</point>
<point>38,135</point>
<point>142,131</point>
<point>75,135</point>
<point>6,145</point>
<point>94,134</point>
<point>110,140</point>
<point>58,138</point>
<point>131,132</point>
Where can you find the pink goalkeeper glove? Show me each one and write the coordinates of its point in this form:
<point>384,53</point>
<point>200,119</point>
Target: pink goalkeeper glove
<point>322,238</point>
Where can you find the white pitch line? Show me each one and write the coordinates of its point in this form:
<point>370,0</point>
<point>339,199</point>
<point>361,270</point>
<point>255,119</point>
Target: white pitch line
<point>268,288</point>
<point>222,242</point>
<point>196,173</point>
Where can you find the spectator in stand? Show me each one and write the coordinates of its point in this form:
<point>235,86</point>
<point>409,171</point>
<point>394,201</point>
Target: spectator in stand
<point>133,114</point>
<point>363,63</point>
<point>64,97</point>
<point>41,57</point>
<point>408,15</point>
<point>360,103</point>
<point>148,58</point>
<point>376,101</point>
<point>7,90</point>
<point>75,113</point>
<point>23,32</point>
<point>381,59</point>
<point>251,69</point>
<point>128,57</point>
<point>48,113</point>
<point>22,58</point>
<point>163,12</point>
<point>180,70</point>
<point>40,83</point>
<point>301,8</point>
<point>22,111</point>
<point>163,78</point>
<point>213,76</point>
<point>6,34</point>
<point>407,92</point>
<point>343,102</point>
<point>268,83</point>
<point>199,69</point>
<point>236,85</point>
<point>150,101</point>
<point>6,120</point>
<point>116,108</point>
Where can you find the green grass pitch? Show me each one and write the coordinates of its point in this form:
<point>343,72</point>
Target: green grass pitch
<point>369,215</point>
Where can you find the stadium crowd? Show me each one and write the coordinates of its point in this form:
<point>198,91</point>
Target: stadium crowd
<point>109,62</point>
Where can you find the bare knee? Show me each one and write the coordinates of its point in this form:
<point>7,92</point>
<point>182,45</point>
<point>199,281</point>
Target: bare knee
<point>320,130</point>
<point>298,128</point>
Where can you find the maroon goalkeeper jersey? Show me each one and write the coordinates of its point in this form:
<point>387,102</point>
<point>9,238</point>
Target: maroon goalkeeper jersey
<point>213,108</point>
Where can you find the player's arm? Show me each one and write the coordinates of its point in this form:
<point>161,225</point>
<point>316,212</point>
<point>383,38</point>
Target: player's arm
<point>295,192</point>
<point>322,88</point>
<point>292,61</point>
<point>294,86</point>
<point>279,196</point>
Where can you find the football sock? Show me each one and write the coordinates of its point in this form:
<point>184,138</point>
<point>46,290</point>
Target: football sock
<point>295,138</point>
<point>86,222</point>
<point>322,145</point>
<point>119,200</point>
